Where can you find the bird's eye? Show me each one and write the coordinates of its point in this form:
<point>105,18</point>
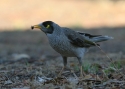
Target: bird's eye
<point>47,26</point>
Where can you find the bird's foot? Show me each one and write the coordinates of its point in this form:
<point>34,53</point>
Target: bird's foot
<point>81,77</point>
<point>82,73</point>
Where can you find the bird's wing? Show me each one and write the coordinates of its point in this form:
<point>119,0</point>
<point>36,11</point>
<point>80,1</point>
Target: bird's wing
<point>88,35</point>
<point>77,39</point>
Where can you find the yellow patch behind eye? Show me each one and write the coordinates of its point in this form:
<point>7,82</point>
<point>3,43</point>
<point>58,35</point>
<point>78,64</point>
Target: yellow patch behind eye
<point>47,26</point>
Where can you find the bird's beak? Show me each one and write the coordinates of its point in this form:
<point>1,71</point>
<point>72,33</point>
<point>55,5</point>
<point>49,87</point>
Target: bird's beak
<point>36,26</point>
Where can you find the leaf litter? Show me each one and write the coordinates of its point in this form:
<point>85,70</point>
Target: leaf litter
<point>28,70</point>
<point>20,75</point>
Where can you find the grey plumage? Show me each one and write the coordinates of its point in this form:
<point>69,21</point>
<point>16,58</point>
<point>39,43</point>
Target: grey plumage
<point>67,42</point>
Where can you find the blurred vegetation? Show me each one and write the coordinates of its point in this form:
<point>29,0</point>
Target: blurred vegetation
<point>16,14</point>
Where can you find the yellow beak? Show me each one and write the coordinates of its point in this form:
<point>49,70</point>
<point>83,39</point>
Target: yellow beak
<point>36,26</point>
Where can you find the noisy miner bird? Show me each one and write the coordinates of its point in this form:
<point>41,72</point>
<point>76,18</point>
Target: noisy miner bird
<point>69,43</point>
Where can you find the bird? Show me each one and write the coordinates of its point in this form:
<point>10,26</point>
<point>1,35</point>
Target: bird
<point>68,42</point>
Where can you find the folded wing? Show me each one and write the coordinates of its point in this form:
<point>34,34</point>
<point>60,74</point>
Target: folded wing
<point>80,39</point>
<point>77,39</point>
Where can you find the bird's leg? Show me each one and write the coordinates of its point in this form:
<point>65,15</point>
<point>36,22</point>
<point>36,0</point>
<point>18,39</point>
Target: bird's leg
<point>81,69</point>
<point>65,63</point>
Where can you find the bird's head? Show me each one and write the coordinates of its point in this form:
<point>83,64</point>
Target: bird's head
<point>47,27</point>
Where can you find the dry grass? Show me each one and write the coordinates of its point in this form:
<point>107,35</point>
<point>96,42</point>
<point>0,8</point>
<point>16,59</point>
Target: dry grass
<point>28,62</point>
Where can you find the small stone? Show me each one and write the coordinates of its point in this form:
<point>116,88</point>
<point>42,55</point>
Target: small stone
<point>20,56</point>
<point>8,82</point>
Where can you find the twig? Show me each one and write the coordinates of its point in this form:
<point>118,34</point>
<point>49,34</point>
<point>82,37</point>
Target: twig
<point>74,74</point>
<point>105,55</point>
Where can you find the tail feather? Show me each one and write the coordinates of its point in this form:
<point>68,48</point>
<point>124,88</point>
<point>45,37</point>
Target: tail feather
<point>101,38</point>
<point>95,38</point>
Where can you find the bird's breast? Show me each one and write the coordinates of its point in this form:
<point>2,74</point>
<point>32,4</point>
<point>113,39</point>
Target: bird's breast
<point>62,45</point>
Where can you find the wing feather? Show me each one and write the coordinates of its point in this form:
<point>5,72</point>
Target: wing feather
<point>77,39</point>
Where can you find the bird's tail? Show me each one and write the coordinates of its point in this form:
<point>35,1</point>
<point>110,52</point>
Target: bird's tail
<point>100,38</point>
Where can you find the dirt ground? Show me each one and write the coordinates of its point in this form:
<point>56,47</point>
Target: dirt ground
<point>26,59</point>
